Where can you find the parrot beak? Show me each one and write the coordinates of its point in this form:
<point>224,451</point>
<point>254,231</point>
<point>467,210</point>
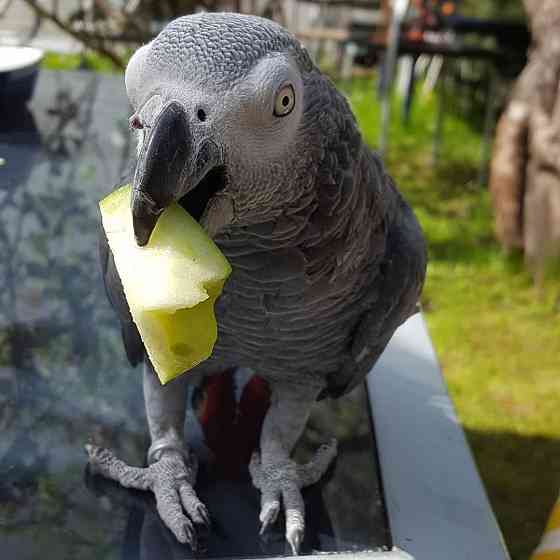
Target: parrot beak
<point>169,167</point>
<point>159,169</point>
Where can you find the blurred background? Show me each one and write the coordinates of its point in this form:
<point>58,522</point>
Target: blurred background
<point>462,99</point>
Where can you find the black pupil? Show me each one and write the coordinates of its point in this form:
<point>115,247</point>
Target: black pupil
<point>285,101</point>
<point>201,115</point>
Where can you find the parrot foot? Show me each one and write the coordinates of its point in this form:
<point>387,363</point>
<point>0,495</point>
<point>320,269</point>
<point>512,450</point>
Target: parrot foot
<point>283,480</point>
<point>171,478</point>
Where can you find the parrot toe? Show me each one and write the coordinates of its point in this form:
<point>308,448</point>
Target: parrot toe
<point>294,536</point>
<point>281,482</point>
<point>270,508</point>
<point>171,478</point>
<point>194,508</point>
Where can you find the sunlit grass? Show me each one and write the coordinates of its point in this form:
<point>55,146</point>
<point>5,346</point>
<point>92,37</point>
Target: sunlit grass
<point>496,335</point>
<point>77,61</point>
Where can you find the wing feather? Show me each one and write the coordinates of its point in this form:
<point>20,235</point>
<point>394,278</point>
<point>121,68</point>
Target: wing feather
<point>399,284</point>
<point>113,287</point>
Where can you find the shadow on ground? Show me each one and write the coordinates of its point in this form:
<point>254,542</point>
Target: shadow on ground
<point>531,466</point>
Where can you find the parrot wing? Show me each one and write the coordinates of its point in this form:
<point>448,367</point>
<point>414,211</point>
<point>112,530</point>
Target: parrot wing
<point>398,285</point>
<point>113,287</point>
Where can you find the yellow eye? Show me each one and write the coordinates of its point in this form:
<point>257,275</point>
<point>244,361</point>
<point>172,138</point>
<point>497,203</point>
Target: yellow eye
<point>285,101</point>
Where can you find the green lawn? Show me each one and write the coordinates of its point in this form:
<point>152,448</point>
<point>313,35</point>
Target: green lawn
<point>75,61</point>
<point>497,337</point>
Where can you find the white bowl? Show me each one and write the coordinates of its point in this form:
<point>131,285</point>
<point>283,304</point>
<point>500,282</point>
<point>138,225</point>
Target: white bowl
<point>17,58</point>
<point>19,68</point>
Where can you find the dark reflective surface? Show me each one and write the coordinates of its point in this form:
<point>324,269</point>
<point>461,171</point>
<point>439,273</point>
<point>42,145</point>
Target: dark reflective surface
<point>64,378</point>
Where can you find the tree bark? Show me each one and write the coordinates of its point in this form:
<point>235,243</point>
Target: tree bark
<point>525,168</point>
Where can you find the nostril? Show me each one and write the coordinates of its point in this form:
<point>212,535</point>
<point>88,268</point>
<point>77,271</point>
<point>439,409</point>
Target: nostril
<point>201,114</point>
<point>135,122</point>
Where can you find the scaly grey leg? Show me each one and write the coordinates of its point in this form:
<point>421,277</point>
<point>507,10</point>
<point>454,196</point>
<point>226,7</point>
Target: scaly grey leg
<point>273,472</point>
<point>165,411</point>
<point>172,469</point>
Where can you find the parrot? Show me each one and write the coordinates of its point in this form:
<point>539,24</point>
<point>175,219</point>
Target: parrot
<point>238,125</point>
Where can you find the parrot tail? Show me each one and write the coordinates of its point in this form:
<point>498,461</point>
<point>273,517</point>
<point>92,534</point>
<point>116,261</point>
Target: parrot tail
<point>231,423</point>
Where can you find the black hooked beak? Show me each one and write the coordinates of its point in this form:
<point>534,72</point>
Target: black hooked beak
<point>159,169</point>
<point>170,165</point>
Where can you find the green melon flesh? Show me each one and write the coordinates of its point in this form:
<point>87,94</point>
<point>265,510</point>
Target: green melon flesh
<point>171,284</point>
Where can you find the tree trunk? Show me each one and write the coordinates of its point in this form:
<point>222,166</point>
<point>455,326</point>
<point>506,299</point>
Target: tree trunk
<point>525,168</point>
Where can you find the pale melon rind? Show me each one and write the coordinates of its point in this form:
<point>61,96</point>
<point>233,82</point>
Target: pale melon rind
<point>170,285</point>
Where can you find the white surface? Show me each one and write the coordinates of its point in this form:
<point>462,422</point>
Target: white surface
<point>394,554</point>
<point>436,504</point>
<point>16,58</point>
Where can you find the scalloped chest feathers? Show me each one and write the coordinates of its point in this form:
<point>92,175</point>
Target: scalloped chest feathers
<point>274,319</point>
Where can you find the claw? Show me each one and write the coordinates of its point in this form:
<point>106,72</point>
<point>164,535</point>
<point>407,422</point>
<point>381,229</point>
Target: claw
<point>281,482</point>
<point>191,537</point>
<point>194,508</point>
<point>170,478</point>
<point>96,453</point>
<point>294,538</point>
<point>264,527</point>
<point>268,516</point>
<point>204,515</point>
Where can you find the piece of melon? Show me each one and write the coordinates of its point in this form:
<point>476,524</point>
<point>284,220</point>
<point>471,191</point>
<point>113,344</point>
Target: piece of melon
<point>170,285</point>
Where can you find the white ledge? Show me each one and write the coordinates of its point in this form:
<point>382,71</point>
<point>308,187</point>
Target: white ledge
<point>436,503</point>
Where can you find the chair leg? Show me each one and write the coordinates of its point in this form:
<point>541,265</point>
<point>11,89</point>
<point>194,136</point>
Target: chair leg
<point>489,123</point>
<point>409,90</point>
<point>438,131</point>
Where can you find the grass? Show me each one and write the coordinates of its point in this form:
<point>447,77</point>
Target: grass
<point>497,336</point>
<point>77,61</point>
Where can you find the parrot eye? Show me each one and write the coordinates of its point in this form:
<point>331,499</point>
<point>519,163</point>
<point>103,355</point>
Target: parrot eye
<point>285,101</point>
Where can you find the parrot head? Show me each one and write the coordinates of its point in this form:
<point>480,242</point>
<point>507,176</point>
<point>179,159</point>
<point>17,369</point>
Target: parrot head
<point>219,106</point>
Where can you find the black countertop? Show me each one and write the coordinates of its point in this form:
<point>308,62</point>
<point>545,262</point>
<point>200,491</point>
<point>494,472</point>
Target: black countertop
<point>64,378</point>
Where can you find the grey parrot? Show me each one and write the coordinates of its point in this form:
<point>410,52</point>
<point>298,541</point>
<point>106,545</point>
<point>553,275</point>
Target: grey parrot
<point>236,123</point>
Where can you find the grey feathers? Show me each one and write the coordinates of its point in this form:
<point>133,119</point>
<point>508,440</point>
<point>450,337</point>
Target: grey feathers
<point>220,48</point>
<point>327,258</point>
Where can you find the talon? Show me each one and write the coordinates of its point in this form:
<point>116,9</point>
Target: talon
<point>180,534</point>
<point>204,515</point>
<point>264,527</point>
<point>98,454</point>
<point>171,479</point>
<point>294,538</point>
<point>281,482</point>
<point>94,452</point>
<point>191,535</point>
<point>99,458</point>
<point>268,516</point>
